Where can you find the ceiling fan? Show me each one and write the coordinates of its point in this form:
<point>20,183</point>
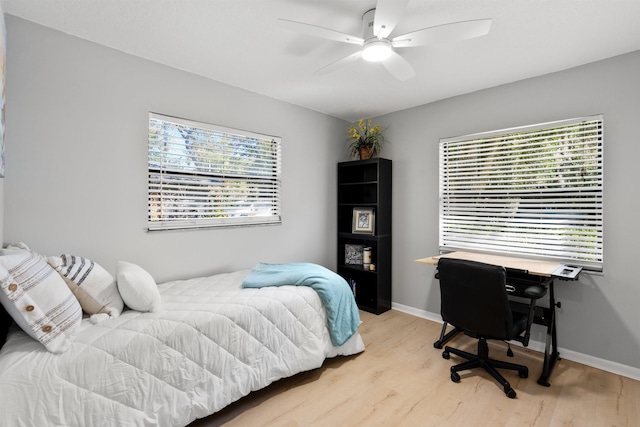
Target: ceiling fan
<point>378,46</point>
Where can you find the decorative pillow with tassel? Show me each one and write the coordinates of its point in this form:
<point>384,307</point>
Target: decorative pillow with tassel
<point>93,286</point>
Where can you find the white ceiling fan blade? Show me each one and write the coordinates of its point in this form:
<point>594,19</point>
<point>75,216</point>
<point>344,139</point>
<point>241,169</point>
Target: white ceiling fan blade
<point>338,64</point>
<point>320,32</point>
<point>444,33</point>
<point>399,67</point>
<point>388,13</point>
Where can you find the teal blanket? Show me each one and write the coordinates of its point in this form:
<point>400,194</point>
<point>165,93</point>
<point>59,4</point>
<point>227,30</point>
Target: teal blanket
<point>343,318</point>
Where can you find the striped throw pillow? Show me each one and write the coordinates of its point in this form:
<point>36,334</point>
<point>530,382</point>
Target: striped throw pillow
<point>38,299</point>
<point>93,286</point>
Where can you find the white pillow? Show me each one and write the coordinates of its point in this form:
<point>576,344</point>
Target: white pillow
<point>38,299</point>
<point>137,288</point>
<point>93,286</point>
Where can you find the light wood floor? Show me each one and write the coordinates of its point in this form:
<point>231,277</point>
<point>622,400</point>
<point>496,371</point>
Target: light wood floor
<point>402,380</point>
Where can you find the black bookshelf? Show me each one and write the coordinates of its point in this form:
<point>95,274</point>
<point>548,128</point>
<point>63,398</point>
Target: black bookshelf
<point>366,185</point>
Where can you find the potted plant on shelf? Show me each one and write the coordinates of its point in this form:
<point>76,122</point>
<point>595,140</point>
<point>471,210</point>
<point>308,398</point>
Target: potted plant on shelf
<point>366,139</point>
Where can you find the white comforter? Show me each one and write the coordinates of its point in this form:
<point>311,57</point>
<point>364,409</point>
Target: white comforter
<point>211,343</point>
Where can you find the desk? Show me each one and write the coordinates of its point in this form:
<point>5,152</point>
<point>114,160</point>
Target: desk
<point>533,267</point>
<point>542,272</point>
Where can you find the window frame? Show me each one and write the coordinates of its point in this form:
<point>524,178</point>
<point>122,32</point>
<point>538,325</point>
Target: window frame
<point>559,218</point>
<point>199,173</point>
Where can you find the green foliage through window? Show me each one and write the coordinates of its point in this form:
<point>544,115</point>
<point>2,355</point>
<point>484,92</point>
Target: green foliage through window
<point>535,191</point>
<point>202,175</point>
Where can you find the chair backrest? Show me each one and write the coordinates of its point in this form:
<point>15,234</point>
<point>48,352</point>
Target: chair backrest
<point>474,298</point>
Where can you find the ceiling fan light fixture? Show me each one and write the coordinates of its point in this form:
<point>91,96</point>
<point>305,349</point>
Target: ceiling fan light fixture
<point>376,50</point>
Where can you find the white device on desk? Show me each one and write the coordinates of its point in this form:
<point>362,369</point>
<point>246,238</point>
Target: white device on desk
<point>566,272</point>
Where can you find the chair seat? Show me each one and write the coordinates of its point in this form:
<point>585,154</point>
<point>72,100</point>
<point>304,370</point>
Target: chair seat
<point>519,326</point>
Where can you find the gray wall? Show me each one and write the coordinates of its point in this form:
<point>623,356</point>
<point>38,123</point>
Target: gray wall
<point>1,208</point>
<point>600,314</point>
<point>76,156</point>
<point>1,179</point>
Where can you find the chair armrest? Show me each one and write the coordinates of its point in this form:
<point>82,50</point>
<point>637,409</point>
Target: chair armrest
<point>535,292</point>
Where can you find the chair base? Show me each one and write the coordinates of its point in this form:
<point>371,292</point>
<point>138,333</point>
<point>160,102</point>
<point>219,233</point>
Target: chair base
<point>481,360</point>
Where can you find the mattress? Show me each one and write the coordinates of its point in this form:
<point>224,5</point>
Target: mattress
<point>211,343</point>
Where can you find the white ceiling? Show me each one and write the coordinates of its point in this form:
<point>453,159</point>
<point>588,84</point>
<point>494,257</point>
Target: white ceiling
<point>237,42</point>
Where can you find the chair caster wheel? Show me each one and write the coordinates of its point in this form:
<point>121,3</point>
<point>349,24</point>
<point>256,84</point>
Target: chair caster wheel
<point>445,355</point>
<point>511,393</point>
<point>455,377</point>
<point>523,374</point>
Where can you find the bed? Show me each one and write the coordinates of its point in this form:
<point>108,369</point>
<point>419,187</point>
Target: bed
<point>210,342</point>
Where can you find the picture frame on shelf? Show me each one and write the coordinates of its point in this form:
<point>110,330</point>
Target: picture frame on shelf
<point>363,221</point>
<point>353,254</point>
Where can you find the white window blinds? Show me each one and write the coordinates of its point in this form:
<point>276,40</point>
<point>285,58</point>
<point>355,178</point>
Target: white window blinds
<point>202,175</point>
<point>534,191</point>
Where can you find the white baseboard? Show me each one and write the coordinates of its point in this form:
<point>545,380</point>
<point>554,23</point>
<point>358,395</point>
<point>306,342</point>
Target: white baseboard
<point>585,359</point>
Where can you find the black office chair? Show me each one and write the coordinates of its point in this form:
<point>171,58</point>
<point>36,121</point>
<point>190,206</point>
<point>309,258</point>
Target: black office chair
<point>474,299</point>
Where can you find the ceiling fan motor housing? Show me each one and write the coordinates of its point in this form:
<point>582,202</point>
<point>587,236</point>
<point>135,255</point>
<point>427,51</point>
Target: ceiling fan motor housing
<point>374,49</point>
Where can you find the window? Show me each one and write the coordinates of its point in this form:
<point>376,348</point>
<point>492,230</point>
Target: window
<point>202,175</point>
<point>534,191</point>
